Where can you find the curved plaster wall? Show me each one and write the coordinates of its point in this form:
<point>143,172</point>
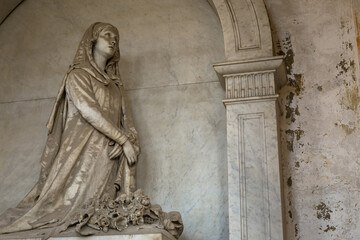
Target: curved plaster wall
<point>168,48</point>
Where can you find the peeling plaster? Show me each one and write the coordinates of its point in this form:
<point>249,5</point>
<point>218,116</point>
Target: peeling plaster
<point>320,117</point>
<point>292,136</point>
<point>350,99</point>
<point>323,211</point>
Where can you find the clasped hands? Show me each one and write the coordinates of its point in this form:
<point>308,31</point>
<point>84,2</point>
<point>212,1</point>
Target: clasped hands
<point>129,150</point>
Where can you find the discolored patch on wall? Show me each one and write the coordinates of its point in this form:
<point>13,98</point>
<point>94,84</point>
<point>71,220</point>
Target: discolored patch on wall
<point>345,26</point>
<point>350,99</point>
<point>323,54</point>
<point>347,128</point>
<point>285,48</point>
<point>296,230</point>
<point>346,66</point>
<point>356,16</point>
<point>298,83</point>
<point>323,211</point>
<point>289,182</point>
<point>329,228</point>
<point>348,45</point>
<point>291,109</point>
<point>292,136</point>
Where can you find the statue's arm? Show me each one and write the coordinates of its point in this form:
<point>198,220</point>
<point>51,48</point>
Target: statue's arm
<point>79,89</point>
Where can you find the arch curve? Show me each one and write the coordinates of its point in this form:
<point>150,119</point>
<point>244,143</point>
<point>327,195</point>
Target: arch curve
<point>246,28</point>
<point>245,25</point>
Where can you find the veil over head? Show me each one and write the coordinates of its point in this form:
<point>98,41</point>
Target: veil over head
<point>84,59</point>
<point>84,53</point>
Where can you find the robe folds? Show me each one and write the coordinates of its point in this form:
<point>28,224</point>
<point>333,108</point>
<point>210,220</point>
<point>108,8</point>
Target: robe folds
<point>88,120</point>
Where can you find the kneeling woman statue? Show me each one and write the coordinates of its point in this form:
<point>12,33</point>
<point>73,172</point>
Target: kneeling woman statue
<point>88,165</point>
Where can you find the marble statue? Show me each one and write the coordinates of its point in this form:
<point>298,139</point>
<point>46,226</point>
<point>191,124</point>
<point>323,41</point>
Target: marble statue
<point>88,166</point>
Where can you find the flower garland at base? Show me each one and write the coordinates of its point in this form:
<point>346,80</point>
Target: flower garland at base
<point>133,209</point>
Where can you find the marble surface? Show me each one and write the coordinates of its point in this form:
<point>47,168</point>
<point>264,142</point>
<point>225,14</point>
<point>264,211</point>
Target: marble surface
<point>128,237</point>
<point>153,236</point>
<point>253,171</point>
<point>247,85</point>
<point>246,29</point>
<point>183,144</point>
<point>248,66</point>
<point>23,135</point>
<point>173,90</point>
<point>133,233</point>
<point>255,201</point>
<point>180,40</point>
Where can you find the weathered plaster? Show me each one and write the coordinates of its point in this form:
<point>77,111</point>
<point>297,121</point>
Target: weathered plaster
<point>319,122</point>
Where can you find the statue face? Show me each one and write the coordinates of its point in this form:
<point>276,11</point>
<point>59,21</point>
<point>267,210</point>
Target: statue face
<point>107,43</point>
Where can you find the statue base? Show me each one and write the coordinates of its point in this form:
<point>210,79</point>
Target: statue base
<point>128,234</point>
<point>129,216</point>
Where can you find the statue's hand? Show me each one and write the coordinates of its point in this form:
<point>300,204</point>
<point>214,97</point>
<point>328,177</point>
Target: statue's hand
<point>129,152</point>
<point>116,151</point>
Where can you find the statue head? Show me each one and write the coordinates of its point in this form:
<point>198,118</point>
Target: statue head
<point>97,35</point>
<point>106,43</point>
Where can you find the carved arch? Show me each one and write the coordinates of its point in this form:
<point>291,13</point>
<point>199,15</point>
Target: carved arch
<point>246,28</point>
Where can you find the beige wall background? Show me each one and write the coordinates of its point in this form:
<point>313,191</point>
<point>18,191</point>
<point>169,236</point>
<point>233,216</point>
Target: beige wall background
<point>167,49</point>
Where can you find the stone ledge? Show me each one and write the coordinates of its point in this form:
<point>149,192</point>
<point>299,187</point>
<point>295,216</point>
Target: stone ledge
<point>247,66</point>
<point>128,234</point>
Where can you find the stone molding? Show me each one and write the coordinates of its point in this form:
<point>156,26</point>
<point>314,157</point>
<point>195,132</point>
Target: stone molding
<point>249,78</point>
<point>246,28</point>
<point>247,85</point>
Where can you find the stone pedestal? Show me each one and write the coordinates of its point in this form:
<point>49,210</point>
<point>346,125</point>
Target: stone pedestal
<point>255,211</point>
<point>128,234</point>
<point>148,236</point>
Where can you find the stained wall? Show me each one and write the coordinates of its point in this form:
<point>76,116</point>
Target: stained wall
<point>319,117</point>
<point>167,51</point>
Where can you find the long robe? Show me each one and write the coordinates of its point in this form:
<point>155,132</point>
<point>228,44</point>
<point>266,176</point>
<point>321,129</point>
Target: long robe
<point>88,119</point>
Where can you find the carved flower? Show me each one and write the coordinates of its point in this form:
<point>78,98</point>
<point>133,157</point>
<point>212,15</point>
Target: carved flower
<point>128,199</point>
<point>130,206</point>
<point>173,223</point>
<point>133,218</point>
<point>104,221</point>
<point>138,213</point>
<point>140,220</point>
<point>121,198</point>
<point>121,223</point>
<point>111,204</point>
<point>145,201</point>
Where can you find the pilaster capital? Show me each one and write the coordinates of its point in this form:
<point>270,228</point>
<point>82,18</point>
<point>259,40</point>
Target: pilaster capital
<point>252,79</point>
